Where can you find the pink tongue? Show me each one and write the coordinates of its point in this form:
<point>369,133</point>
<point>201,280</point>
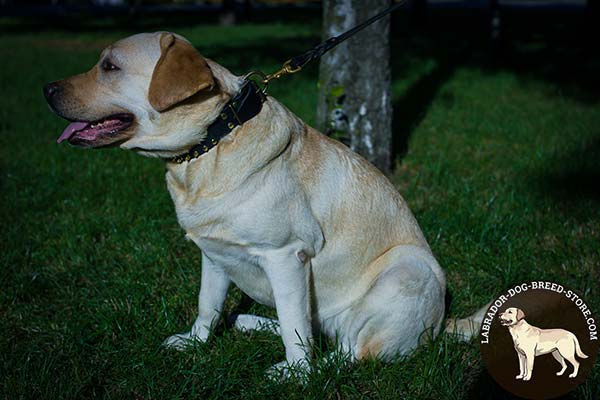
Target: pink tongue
<point>71,129</point>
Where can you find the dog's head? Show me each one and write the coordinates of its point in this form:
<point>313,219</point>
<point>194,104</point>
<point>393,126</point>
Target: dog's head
<point>140,95</point>
<point>511,316</point>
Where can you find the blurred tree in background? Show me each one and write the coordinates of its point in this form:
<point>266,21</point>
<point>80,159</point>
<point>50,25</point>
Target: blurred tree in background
<point>354,103</point>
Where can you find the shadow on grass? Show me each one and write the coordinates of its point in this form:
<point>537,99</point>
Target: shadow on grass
<point>555,49</point>
<point>574,176</point>
<point>412,107</point>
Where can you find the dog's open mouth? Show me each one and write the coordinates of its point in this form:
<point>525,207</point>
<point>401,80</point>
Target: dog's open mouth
<point>505,322</point>
<point>101,132</point>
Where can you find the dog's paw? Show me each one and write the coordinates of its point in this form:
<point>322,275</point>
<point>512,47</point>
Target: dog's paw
<point>526,378</point>
<point>573,375</point>
<point>283,371</point>
<point>179,342</point>
<point>519,377</point>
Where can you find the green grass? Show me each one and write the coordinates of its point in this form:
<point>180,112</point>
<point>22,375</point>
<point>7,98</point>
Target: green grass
<point>500,169</point>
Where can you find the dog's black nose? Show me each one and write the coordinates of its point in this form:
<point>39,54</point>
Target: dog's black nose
<point>51,89</point>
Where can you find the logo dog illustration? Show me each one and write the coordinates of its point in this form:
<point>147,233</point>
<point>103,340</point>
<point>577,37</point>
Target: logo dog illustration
<point>531,341</point>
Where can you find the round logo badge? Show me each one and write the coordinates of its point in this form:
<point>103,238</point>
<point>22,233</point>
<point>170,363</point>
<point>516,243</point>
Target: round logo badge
<point>539,340</point>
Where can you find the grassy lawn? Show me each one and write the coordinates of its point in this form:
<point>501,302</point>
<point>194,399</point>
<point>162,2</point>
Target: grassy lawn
<point>498,162</point>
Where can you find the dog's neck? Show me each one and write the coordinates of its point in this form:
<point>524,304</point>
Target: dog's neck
<point>241,108</point>
<point>519,327</point>
<point>246,150</point>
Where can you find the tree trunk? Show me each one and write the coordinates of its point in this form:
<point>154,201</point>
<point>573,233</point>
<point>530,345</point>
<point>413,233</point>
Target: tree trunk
<point>354,103</point>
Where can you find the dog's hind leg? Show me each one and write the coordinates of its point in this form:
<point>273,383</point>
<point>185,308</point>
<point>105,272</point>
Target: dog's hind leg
<point>249,322</point>
<point>566,346</point>
<point>556,354</point>
<point>571,358</point>
<point>404,305</point>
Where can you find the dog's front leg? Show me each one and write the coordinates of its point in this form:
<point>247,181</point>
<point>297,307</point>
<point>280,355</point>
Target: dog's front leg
<point>213,290</point>
<point>287,271</point>
<point>521,365</point>
<point>529,361</point>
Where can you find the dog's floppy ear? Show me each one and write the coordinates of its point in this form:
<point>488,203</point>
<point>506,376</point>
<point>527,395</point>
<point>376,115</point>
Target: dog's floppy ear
<point>179,73</point>
<point>520,314</point>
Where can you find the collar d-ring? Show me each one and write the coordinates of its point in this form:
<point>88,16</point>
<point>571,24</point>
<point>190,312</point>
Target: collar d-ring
<point>263,79</point>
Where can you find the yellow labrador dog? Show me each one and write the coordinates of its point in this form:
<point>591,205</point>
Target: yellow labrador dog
<point>531,341</point>
<point>296,220</point>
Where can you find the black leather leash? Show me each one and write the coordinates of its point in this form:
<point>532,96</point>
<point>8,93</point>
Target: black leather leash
<point>247,103</point>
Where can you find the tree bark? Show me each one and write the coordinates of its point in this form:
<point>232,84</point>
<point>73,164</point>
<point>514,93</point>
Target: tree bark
<point>354,103</point>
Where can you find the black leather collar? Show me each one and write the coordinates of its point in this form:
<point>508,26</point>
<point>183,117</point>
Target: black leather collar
<point>245,105</point>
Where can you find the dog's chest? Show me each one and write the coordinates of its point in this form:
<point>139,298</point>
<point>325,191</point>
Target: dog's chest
<point>521,340</point>
<point>518,342</point>
<point>235,229</point>
<point>239,223</point>
<point>228,236</point>
<point>240,264</point>
<point>267,211</point>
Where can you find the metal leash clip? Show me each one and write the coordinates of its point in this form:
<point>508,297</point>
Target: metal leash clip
<point>286,69</point>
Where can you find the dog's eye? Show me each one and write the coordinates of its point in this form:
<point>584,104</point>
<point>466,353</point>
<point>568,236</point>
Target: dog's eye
<point>108,66</point>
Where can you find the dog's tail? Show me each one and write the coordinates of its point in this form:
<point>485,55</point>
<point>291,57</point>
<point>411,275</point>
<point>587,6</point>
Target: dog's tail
<point>580,353</point>
<point>468,327</point>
